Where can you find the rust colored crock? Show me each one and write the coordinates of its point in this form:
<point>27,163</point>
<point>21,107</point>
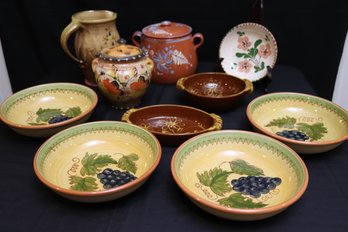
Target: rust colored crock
<point>172,48</point>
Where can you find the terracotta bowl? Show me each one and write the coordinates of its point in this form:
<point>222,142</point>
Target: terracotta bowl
<point>308,124</point>
<point>173,124</point>
<point>82,163</point>
<point>214,91</point>
<point>239,175</point>
<point>43,110</point>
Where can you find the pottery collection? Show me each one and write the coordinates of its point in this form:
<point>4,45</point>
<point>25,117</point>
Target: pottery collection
<point>166,53</point>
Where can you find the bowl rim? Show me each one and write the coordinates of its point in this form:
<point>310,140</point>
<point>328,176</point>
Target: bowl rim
<point>258,211</point>
<point>89,110</point>
<point>184,79</point>
<point>106,192</point>
<point>213,116</point>
<point>291,141</point>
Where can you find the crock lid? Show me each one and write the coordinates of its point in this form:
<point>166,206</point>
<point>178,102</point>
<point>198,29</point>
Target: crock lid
<point>167,29</point>
<point>122,52</point>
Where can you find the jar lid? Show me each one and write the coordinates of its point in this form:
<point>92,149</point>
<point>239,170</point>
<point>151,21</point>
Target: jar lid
<point>167,29</point>
<point>122,52</point>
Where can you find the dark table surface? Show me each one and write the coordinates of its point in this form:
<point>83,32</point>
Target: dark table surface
<point>159,205</point>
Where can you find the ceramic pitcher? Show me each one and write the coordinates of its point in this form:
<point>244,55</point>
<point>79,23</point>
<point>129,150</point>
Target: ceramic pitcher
<point>172,47</point>
<point>123,74</point>
<point>94,30</point>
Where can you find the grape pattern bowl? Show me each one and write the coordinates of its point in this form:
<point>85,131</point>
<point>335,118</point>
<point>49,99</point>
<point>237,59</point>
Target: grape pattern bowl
<point>43,110</point>
<point>239,175</point>
<point>97,161</point>
<point>306,123</point>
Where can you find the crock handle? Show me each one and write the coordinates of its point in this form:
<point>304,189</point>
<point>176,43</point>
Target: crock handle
<point>138,35</point>
<point>180,83</point>
<point>66,33</point>
<point>200,42</point>
<point>217,122</point>
<point>127,114</point>
<point>249,87</point>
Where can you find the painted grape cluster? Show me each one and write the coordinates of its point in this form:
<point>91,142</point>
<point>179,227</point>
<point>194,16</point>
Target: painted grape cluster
<point>114,178</point>
<point>255,185</point>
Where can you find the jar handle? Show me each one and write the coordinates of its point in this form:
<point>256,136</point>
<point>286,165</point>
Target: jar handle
<point>67,32</point>
<point>201,40</point>
<point>135,35</point>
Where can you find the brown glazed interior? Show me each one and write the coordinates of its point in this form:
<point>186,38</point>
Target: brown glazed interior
<point>172,119</point>
<point>214,85</point>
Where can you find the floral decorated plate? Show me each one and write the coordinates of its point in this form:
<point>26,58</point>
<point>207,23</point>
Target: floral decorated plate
<point>97,161</point>
<point>173,124</point>
<point>247,50</point>
<point>306,123</point>
<point>239,175</point>
<point>43,110</point>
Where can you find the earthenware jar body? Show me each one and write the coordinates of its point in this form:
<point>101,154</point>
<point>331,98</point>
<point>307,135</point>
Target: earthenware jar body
<point>94,30</point>
<point>172,47</point>
<point>123,73</point>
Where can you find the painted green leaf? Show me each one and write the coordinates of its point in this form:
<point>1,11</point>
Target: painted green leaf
<point>259,68</point>
<point>216,179</point>
<point>93,162</point>
<point>237,200</point>
<point>127,163</point>
<point>45,114</point>
<point>240,55</point>
<point>73,111</point>
<point>314,132</point>
<point>240,33</point>
<point>242,167</point>
<point>83,183</point>
<point>253,52</point>
<point>287,122</point>
<point>257,43</point>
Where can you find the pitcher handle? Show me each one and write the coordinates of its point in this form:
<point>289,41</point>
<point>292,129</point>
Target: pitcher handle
<point>135,35</point>
<point>200,42</point>
<point>67,32</point>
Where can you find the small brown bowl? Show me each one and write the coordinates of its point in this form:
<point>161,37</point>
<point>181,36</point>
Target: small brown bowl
<point>214,91</point>
<point>173,124</point>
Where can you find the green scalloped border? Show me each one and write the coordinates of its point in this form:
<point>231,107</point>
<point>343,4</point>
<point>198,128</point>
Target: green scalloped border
<point>92,128</point>
<point>311,100</point>
<point>26,94</point>
<point>238,137</point>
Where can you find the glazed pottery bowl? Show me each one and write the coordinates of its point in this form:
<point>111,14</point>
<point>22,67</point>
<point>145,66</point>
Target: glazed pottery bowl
<point>43,110</point>
<point>214,91</point>
<point>173,124</point>
<point>239,175</point>
<point>88,162</point>
<point>306,123</point>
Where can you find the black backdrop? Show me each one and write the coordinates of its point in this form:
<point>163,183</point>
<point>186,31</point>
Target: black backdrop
<point>310,34</point>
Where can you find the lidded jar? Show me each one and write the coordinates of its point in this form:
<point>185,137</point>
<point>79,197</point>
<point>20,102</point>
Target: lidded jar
<point>172,47</point>
<point>123,74</point>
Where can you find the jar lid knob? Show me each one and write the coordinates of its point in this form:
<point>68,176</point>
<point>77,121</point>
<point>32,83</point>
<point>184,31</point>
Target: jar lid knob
<point>165,23</point>
<point>122,41</point>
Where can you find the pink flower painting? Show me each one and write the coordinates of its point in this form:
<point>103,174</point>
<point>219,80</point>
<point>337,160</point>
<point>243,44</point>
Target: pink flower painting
<point>265,50</point>
<point>244,43</point>
<point>244,66</point>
